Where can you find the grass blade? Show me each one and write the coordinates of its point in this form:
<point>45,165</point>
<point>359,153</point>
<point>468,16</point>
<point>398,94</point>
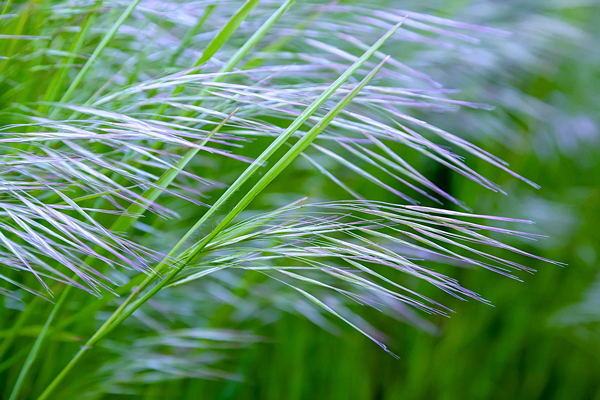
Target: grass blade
<point>227,31</point>
<point>36,348</point>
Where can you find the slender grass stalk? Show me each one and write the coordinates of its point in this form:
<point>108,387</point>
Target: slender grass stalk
<point>215,44</point>
<point>19,28</point>
<point>227,31</point>
<point>252,41</point>
<point>192,32</point>
<point>5,6</point>
<point>281,164</point>
<point>16,326</point>
<point>36,347</point>
<point>256,189</point>
<point>282,41</point>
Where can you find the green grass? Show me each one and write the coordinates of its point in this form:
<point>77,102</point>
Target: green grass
<point>182,180</point>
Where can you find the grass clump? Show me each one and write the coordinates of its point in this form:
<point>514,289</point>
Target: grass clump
<point>136,135</point>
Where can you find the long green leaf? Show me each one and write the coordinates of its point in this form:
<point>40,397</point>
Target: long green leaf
<point>253,40</point>
<point>192,32</point>
<point>219,40</point>
<point>227,30</point>
<point>34,351</point>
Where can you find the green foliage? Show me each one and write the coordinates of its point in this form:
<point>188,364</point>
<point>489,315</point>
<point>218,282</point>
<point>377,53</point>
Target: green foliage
<point>182,177</point>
